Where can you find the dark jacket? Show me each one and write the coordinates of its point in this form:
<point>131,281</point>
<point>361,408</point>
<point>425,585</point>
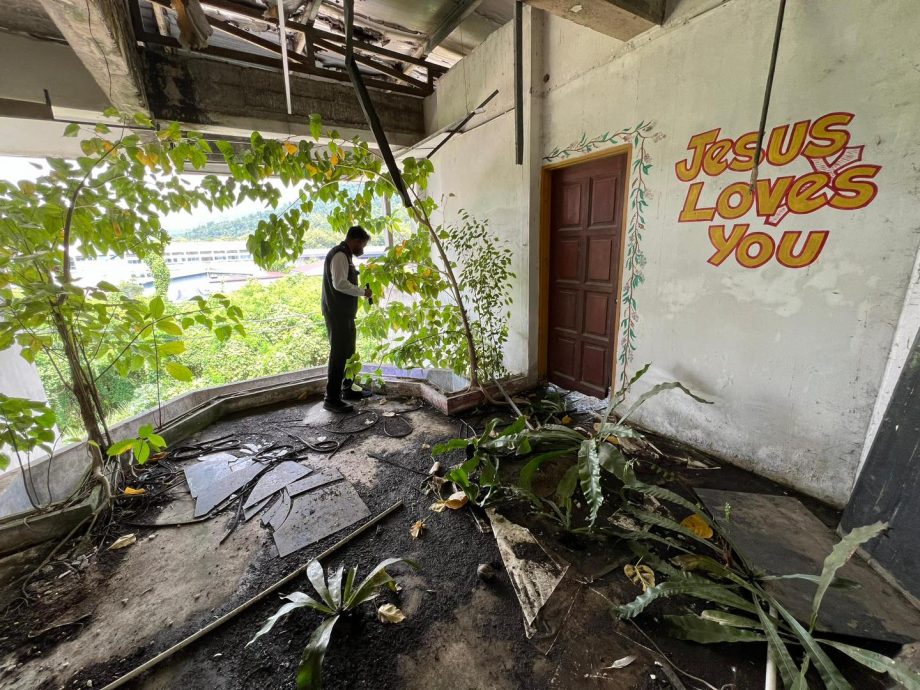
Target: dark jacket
<point>337,304</point>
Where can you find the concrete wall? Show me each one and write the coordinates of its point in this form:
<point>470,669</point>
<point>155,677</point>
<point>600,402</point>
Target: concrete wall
<point>52,66</point>
<point>792,357</point>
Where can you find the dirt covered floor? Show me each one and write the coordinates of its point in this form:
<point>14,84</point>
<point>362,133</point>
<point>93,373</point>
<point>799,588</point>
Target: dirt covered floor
<point>94,614</point>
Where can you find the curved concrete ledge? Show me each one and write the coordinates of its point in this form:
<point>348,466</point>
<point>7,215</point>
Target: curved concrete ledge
<point>48,480</point>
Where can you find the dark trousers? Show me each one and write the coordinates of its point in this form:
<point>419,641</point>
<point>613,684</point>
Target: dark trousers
<point>341,330</point>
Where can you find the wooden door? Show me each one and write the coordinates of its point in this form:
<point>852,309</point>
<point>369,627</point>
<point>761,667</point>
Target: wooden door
<point>586,226</point>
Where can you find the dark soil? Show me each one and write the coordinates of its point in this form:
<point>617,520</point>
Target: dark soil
<point>444,600</point>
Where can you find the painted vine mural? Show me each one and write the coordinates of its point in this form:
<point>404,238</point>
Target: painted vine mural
<point>639,196</point>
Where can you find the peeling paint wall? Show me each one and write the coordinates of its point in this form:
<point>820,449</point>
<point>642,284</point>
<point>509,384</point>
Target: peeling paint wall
<point>793,358</point>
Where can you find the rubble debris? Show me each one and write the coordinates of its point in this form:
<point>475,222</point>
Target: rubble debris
<point>486,571</point>
<point>318,514</point>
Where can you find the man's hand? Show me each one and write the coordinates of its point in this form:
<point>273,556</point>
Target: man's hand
<point>367,293</point>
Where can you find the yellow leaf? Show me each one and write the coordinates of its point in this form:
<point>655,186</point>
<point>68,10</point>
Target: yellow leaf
<point>334,160</point>
<point>398,250</point>
<point>390,614</point>
<point>289,148</point>
<point>131,491</point>
<point>698,525</point>
<point>123,541</point>
<point>455,501</point>
<point>640,575</point>
<point>107,145</point>
<point>312,169</point>
<point>417,528</point>
<point>566,420</point>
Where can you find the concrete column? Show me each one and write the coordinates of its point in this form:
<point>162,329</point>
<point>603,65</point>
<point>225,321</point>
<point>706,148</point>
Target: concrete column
<point>100,33</point>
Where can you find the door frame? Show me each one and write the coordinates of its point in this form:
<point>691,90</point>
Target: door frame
<point>546,176</point>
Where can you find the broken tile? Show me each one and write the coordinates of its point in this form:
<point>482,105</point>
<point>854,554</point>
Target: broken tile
<point>279,512</point>
<point>252,511</point>
<point>779,536</point>
<point>320,477</point>
<point>213,494</point>
<point>318,514</point>
<point>206,470</point>
<point>274,480</point>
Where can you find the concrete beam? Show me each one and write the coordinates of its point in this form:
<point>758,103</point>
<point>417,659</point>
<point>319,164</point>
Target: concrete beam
<point>224,97</point>
<point>621,19</point>
<point>99,32</point>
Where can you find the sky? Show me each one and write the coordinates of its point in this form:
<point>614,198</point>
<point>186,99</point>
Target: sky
<point>16,168</point>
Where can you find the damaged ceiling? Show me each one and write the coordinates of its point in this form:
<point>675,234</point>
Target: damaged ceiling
<point>404,44</point>
<point>220,64</point>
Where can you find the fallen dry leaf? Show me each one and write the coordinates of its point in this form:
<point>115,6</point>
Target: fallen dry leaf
<point>455,501</point>
<point>390,614</point>
<point>131,491</point>
<point>621,663</point>
<point>698,525</point>
<point>123,541</point>
<point>640,575</point>
<point>417,528</point>
<point>566,420</point>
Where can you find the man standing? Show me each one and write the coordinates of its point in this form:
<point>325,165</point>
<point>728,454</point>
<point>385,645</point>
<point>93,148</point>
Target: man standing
<point>340,305</point>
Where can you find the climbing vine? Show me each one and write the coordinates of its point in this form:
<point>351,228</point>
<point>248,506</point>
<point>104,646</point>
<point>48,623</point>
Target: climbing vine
<point>639,195</point>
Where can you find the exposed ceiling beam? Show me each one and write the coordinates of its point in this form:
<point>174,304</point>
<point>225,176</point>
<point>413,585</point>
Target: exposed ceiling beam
<point>312,11</point>
<point>461,11</point>
<point>621,19</point>
<point>99,32</point>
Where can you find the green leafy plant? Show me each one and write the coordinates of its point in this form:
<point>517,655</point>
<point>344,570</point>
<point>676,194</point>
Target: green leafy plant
<point>337,597</point>
<point>24,425</point>
<point>592,452</point>
<point>107,201</point>
<point>750,613</point>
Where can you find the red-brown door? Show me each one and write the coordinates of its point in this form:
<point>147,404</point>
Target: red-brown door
<point>586,223</point>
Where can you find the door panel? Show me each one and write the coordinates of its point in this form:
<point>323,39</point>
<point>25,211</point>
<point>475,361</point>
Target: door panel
<point>586,225</point>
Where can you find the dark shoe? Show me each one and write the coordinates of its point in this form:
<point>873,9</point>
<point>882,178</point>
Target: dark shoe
<point>350,394</point>
<point>337,406</point>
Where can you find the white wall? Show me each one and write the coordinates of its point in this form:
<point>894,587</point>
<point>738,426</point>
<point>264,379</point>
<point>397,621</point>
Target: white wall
<point>19,379</point>
<point>792,357</point>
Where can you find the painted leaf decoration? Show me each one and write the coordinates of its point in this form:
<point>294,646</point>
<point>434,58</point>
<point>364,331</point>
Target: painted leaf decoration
<point>131,491</point>
<point>417,528</point>
<point>640,575</point>
<point>698,525</point>
<point>123,541</point>
<point>390,614</point>
<point>455,501</point>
